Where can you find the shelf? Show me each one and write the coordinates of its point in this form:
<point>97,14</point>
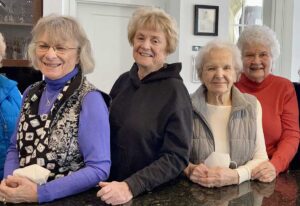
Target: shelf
<point>15,24</point>
<point>16,63</point>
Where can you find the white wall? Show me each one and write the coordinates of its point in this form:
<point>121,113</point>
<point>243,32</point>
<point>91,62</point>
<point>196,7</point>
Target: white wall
<point>284,20</point>
<point>53,6</point>
<point>187,39</point>
<point>183,12</point>
<point>173,8</point>
<point>296,42</point>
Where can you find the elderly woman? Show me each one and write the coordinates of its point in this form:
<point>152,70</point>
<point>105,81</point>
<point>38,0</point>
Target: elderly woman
<point>151,113</point>
<point>10,102</point>
<point>64,124</point>
<point>260,49</point>
<point>226,121</point>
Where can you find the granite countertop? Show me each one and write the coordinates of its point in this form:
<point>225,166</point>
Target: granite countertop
<point>281,192</point>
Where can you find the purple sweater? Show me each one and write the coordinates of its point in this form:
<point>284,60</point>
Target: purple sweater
<point>93,139</point>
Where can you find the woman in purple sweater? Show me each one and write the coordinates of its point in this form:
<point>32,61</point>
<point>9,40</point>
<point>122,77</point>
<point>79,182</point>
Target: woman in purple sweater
<point>63,125</point>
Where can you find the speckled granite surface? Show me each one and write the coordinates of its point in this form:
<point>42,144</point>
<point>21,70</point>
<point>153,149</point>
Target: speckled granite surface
<point>282,192</point>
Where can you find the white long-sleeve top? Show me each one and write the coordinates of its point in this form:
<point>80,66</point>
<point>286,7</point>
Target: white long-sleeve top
<point>218,117</point>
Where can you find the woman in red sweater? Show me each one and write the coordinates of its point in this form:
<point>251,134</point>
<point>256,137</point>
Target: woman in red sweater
<point>260,48</point>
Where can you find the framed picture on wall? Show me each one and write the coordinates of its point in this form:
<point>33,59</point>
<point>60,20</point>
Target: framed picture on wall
<point>206,20</point>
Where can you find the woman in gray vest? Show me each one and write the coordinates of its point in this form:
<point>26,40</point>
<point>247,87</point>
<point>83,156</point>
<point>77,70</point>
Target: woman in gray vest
<point>228,140</point>
<point>63,130</point>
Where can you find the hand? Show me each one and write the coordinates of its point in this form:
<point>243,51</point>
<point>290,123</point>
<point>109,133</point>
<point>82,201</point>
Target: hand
<point>188,169</point>
<point>212,177</point>
<point>114,193</point>
<point>195,172</point>
<point>264,172</point>
<point>16,189</point>
<point>219,176</point>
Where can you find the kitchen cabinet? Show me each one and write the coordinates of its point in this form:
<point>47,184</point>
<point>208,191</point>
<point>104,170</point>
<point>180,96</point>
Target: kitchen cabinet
<point>17,18</point>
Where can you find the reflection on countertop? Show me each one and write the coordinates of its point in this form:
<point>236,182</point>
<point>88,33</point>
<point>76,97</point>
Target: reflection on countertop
<point>281,192</point>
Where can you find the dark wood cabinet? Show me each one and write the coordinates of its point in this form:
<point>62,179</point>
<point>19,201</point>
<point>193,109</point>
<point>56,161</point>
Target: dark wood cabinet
<point>17,18</point>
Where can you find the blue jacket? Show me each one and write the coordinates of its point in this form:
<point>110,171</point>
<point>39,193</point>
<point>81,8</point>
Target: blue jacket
<point>10,102</point>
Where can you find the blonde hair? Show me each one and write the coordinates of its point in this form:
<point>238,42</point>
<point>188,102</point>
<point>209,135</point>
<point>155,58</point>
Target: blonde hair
<point>156,19</point>
<point>60,29</point>
<point>2,49</point>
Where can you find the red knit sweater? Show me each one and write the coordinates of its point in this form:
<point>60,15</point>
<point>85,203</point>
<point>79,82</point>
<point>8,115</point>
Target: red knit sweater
<point>280,117</point>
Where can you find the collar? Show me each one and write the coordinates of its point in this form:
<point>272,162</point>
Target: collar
<point>57,84</point>
<point>198,99</point>
<point>254,86</point>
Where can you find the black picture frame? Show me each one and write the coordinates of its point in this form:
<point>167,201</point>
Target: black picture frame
<point>206,20</point>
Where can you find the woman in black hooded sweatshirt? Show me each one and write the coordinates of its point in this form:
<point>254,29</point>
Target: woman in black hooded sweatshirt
<point>150,114</point>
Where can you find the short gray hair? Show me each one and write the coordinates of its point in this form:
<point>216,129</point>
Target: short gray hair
<point>60,29</point>
<point>219,44</point>
<point>2,49</point>
<point>154,18</point>
<point>257,34</point>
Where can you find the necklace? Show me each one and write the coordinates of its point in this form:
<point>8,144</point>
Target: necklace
<point>47,99</point>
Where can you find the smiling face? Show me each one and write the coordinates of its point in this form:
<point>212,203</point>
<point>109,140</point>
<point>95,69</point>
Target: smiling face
<point>149,49</point>
<point>53,65</point>
<point>257,62</point>
<point>218,73</point>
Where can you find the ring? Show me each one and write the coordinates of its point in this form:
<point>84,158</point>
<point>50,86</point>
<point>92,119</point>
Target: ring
<point>4,200</point>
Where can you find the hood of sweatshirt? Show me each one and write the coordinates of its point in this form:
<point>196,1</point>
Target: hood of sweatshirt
<point>166,72</point>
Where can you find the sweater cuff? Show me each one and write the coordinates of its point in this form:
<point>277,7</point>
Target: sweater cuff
<point>42,195</point>
<point>134,186</point>
<point>244,174</point>
<point>277,165</point>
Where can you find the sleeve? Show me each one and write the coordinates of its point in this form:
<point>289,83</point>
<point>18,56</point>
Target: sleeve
<point>94,143</point>
<point>289,140</point>
<point>16,96</point>
<point>173,155</point>
<point>14,104</point>
<point>12,156</point>
<point>260,153</point>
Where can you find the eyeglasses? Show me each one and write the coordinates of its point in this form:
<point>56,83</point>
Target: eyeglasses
<point>252,56</point>
<point>43,48</point>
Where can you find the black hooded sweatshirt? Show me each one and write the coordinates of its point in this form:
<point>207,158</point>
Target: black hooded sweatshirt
<point>151,128</point>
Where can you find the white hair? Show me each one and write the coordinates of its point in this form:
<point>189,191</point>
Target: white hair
<point>219,44</point>
<point>2,48</point>
<point>263,35</point>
